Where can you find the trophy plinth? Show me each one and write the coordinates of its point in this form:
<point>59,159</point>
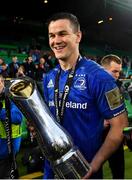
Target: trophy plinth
<point>71,166</point>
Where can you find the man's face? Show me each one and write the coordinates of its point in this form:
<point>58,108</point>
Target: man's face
<point>14,59</point>
<point>1,61</point>
<point>114,69</point>
<point>42,60</point>
<point>63,39</point>
<point>4,67</point>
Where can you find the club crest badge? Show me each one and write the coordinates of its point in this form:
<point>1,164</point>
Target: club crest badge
<point>80,83</point>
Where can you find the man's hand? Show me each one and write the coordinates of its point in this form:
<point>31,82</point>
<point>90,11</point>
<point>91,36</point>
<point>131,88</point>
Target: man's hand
<point>111,143</point>
<point>88,175</point>
<point>94,167</point>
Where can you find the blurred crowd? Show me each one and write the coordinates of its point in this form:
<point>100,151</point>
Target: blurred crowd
<point>37,64</point>
<point>35,69</point>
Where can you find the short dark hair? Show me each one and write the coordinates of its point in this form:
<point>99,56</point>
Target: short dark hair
<point>65,15</point>
<point>106,60</point>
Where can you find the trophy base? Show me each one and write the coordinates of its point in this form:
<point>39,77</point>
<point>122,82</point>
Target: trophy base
<point>71,166</point>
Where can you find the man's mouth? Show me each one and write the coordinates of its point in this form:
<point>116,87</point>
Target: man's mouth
<point>59,47</point>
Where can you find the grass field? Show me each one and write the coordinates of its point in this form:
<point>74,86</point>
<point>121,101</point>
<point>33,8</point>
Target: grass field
<point>128,167</point>
<point>106,170</point>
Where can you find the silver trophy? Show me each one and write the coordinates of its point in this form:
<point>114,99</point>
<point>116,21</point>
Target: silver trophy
<point>54,141</point>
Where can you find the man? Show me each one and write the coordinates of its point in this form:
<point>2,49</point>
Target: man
<point>29,67</point>
<point>10,135</point>
<point>13,67</point>
<point>80,94</point>
<point>113,65</point>
<point>4,70</point>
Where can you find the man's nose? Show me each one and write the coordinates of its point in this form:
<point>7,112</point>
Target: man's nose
<point>57,39</point>
<point>117,75</point>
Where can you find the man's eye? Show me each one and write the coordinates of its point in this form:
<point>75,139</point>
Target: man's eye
<point>51,36</point>
<point>63,34</point>
<point>115,71</point>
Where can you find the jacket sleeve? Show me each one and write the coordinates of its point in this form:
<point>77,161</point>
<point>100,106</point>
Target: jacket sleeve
<point>16,115</point>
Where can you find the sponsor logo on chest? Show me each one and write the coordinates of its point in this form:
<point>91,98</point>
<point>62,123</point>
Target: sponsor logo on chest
<point>72,105</point>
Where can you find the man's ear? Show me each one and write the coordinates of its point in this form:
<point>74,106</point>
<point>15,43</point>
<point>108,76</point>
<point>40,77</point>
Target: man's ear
<point>79,36</point>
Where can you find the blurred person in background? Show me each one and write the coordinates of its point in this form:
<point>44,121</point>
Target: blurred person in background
<point>13,67</point>
<point>21,71</point>
<point>4,70</point>
<point>10,135</point>
<point>41,69</point>
<point>113,65</point>
<point>1,62</point>
<point>29,67</point>
<point>129,88</point>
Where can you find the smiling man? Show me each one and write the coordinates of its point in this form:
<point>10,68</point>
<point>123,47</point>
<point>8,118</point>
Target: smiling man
<point>80,96</point>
